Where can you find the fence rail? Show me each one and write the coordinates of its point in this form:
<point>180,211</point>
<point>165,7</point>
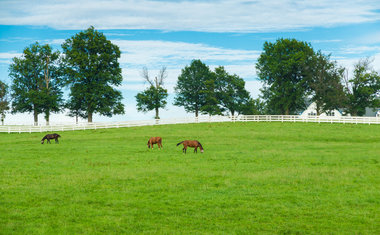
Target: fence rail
<point>202,119</point>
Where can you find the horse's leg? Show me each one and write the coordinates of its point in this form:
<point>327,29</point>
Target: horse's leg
<point>196,150</point>
<point>48,140</point>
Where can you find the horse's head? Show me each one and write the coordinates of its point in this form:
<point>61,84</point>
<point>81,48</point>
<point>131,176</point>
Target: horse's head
<point>148,144</point>
<point>42,141</point>
<point>201,150</point>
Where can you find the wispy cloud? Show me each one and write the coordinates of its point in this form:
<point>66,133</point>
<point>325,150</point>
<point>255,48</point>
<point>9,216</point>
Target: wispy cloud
<point>360,49</point>
<point>209,16</point>
<point>175,56</point>
<point>326,41</point>
<point>158,53</point>
<point>6,57</point>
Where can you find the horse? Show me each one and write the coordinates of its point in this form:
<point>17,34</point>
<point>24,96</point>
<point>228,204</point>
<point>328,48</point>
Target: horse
<point>155,140</point>
<point>48,137</point>
<point>191,143</point>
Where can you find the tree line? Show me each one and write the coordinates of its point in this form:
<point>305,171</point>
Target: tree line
<point>292,72</point>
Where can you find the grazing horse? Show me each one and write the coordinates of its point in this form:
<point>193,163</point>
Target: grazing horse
<point>48,137</point>
<point>191,143</point>
<point>155,140</point>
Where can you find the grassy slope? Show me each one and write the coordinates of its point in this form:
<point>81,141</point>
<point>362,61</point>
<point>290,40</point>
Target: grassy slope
<point>253,177</point>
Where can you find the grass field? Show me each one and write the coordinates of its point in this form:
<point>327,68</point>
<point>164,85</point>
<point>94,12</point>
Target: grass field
<point>282,178</point>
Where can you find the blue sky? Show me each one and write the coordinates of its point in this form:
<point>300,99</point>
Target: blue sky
<point>172,33</point>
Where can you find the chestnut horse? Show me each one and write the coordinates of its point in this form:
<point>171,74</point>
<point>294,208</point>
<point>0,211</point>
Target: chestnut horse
<point>191,143</point>
<point>48,137</point>
<point>155,140</point>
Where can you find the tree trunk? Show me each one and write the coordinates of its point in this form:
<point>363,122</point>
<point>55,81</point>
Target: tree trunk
<point>287,111</point>
<point>76,119</point>
<point>233,112</point>
<point>89,117</point>
<point>318,109</point>
<point>157,117</point>
<point>35,114</point>
<point>196,112</point>
<point>2,118</point>
<point>47,118</point>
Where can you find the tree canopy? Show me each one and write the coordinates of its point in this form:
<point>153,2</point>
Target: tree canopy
<point>285,68</point>
<point>4,102</point>
<point>326,84</point>
<point>190,88</point>
<point>363,89</point>
<point>35,85</point>
<point>231,91</point>
<point>154,97</point>
<point>92,71</point>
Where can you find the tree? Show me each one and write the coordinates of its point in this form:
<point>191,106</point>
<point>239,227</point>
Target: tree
<point>75,103</point>
<point>231,91</point>
<point>254,107</point>
<point>325,84</point>
<point>190,88</point>
<point>210,105</point>
<point>155,96</point>
<point>4,103</point>
<point>35,86</point>
<point>363,90</point>
<point>285,68</point>
<point>92,71</point>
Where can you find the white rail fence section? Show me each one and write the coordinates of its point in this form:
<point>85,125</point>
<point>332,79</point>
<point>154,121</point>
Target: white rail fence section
<point>202,119</point>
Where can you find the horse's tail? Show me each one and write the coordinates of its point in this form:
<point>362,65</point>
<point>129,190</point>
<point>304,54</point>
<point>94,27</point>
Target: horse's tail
<point>180,143</point>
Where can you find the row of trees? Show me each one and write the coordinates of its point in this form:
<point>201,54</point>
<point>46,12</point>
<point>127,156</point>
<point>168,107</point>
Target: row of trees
<point>199,90</point>
<point>88,67</point>
<point>293,73</point>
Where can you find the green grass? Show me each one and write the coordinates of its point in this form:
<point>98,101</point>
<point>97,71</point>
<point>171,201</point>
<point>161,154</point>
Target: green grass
<point>282,178</point>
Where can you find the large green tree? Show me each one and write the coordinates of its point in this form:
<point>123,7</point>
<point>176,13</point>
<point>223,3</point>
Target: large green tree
<point>231,91</point>
<point>363,89</point>
<point>285,68</point>
<point>191,86</point>
<point>211,103</point>
<point>254,107</point>
<point>4,102</point>
<point>92,72</point>
<point>35,87</point>
<point>154,97</point>
<point>326,84</point>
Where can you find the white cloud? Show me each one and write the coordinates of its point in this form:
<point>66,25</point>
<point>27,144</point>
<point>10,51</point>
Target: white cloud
<point>359,49</point>
<point>210,16</point>
<point>326,41</point>
<point>6,57</point>
<point>9,55</point>
<point>177,55</point>
<point>157,53</point>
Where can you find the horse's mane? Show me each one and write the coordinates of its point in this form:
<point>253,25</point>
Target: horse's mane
<point>199,144</point>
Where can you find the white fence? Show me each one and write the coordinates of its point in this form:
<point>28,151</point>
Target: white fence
<point>202,119</point>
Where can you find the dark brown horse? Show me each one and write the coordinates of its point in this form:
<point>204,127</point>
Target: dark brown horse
<point>155,140</point>
<point>48,137</point>
<point>191,143</point>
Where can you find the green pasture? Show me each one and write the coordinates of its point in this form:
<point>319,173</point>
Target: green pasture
<point>253,178</point>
